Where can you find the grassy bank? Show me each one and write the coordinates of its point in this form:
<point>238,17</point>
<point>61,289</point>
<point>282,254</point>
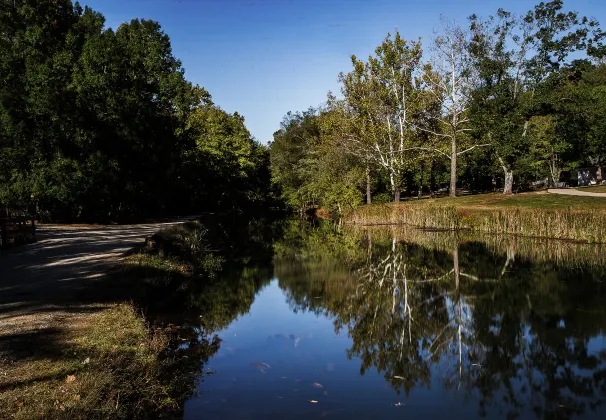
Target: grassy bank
<point>537,215</point>
<point>108,359</point>
<point>102,364</point>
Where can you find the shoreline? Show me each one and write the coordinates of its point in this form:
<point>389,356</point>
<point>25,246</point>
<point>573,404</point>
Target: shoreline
<point>578,219</point>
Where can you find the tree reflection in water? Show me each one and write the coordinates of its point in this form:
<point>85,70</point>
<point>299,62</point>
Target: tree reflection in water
<point>516,324</point>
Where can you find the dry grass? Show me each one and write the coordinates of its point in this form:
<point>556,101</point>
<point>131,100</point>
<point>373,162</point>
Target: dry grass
<point>538,215</point>
<point>97,365</point>
<point>566,253</point>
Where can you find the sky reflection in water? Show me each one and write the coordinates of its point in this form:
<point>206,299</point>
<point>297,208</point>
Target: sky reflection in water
<point>389,324</point>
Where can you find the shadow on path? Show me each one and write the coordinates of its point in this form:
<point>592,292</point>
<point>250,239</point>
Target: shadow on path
<point>46,286</point>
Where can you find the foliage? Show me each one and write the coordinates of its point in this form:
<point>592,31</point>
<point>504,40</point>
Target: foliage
<point>100,124</point>
<point>509,100</point>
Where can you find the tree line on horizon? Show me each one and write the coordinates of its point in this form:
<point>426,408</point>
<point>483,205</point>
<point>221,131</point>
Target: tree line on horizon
<point>505,100</point>
<point>100,124</point>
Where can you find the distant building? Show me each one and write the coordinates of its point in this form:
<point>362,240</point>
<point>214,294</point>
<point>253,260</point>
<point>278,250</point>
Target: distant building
<point>590,176</point>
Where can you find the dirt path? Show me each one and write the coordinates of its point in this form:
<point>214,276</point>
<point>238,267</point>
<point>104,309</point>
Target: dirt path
<point>571,191</point>
<point>42,284</point>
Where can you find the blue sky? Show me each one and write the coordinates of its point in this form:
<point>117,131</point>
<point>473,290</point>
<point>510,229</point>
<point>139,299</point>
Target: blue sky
<point>263,58</point>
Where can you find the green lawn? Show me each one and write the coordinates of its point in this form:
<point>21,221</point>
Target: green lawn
<point>593,188</point>
<point>525,200</point>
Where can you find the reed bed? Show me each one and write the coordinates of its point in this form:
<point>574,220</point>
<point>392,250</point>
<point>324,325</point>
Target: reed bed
<point>440,217</point>
<point>588,226</point>
<point>565,253</point>
<point>576,225</point>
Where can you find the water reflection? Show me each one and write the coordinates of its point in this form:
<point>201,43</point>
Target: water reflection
<point>513,327</point>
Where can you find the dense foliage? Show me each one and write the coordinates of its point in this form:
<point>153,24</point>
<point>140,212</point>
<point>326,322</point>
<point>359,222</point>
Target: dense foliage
<point>100,124</point>
<point>508,100</point>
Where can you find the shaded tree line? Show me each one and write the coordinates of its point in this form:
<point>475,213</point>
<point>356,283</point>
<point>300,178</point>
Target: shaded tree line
<point>508,100</point>
<point>101,124</point>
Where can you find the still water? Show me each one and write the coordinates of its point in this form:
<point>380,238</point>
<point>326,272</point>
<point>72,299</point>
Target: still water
<point>395,323</point>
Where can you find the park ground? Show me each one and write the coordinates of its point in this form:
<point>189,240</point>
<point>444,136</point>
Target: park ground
<point>70,346</point>
<point>593,189</point>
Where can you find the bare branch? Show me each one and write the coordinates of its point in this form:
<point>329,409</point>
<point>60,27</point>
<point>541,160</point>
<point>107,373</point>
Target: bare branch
<point>473,147</point>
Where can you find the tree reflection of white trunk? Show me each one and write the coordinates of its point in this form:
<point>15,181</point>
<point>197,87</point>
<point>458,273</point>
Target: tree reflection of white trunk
<point>455,259</point>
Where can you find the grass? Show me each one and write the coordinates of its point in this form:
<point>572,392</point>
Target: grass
<point>536,215</point>
<point>565,253</point>
<point>105,365</point>
<point>593,189</point>
<point>181,252</point>
<point>104,361</point>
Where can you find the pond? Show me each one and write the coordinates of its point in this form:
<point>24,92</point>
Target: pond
<point>397,323</point>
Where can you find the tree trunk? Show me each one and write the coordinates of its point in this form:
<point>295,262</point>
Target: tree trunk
<point>455,266</point>
<point>508,188</point>
<point>421,180</point>
<point>396,195</point>
<point>453,169</point>
<point>598,174</point>
<point>432,178</point>
<point>368,197</point>
<point>554,169</point>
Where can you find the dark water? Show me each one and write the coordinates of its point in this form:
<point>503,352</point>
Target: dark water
<point>379,324</point>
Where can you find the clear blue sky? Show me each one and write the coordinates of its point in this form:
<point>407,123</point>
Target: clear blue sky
<point>263,58</point>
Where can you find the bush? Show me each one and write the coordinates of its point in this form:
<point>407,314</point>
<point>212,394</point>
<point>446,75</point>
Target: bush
<point>382,198</point>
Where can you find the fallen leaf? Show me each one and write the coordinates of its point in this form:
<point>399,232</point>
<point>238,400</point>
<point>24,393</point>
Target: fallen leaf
<point>318,385</point>
<point>19,404</point>
<point>312,401</point>
<point>86,361</point>
<point>70,379</point>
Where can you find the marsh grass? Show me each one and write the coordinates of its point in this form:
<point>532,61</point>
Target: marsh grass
<point>533,215</point>
<point>565,253</point>
<point>440,217</point>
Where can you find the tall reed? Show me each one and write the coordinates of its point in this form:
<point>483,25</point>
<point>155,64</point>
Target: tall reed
<point>438,217</point>
<point>577,225</point>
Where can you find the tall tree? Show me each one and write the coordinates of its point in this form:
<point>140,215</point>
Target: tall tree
<point>383,91</point>
<point>450,81</point>
<point>512,57</point>
<point>290,151</point>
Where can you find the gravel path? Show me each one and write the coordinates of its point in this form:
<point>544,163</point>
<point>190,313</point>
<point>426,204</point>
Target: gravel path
<point>41,284</point>
<point>572,191</point>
